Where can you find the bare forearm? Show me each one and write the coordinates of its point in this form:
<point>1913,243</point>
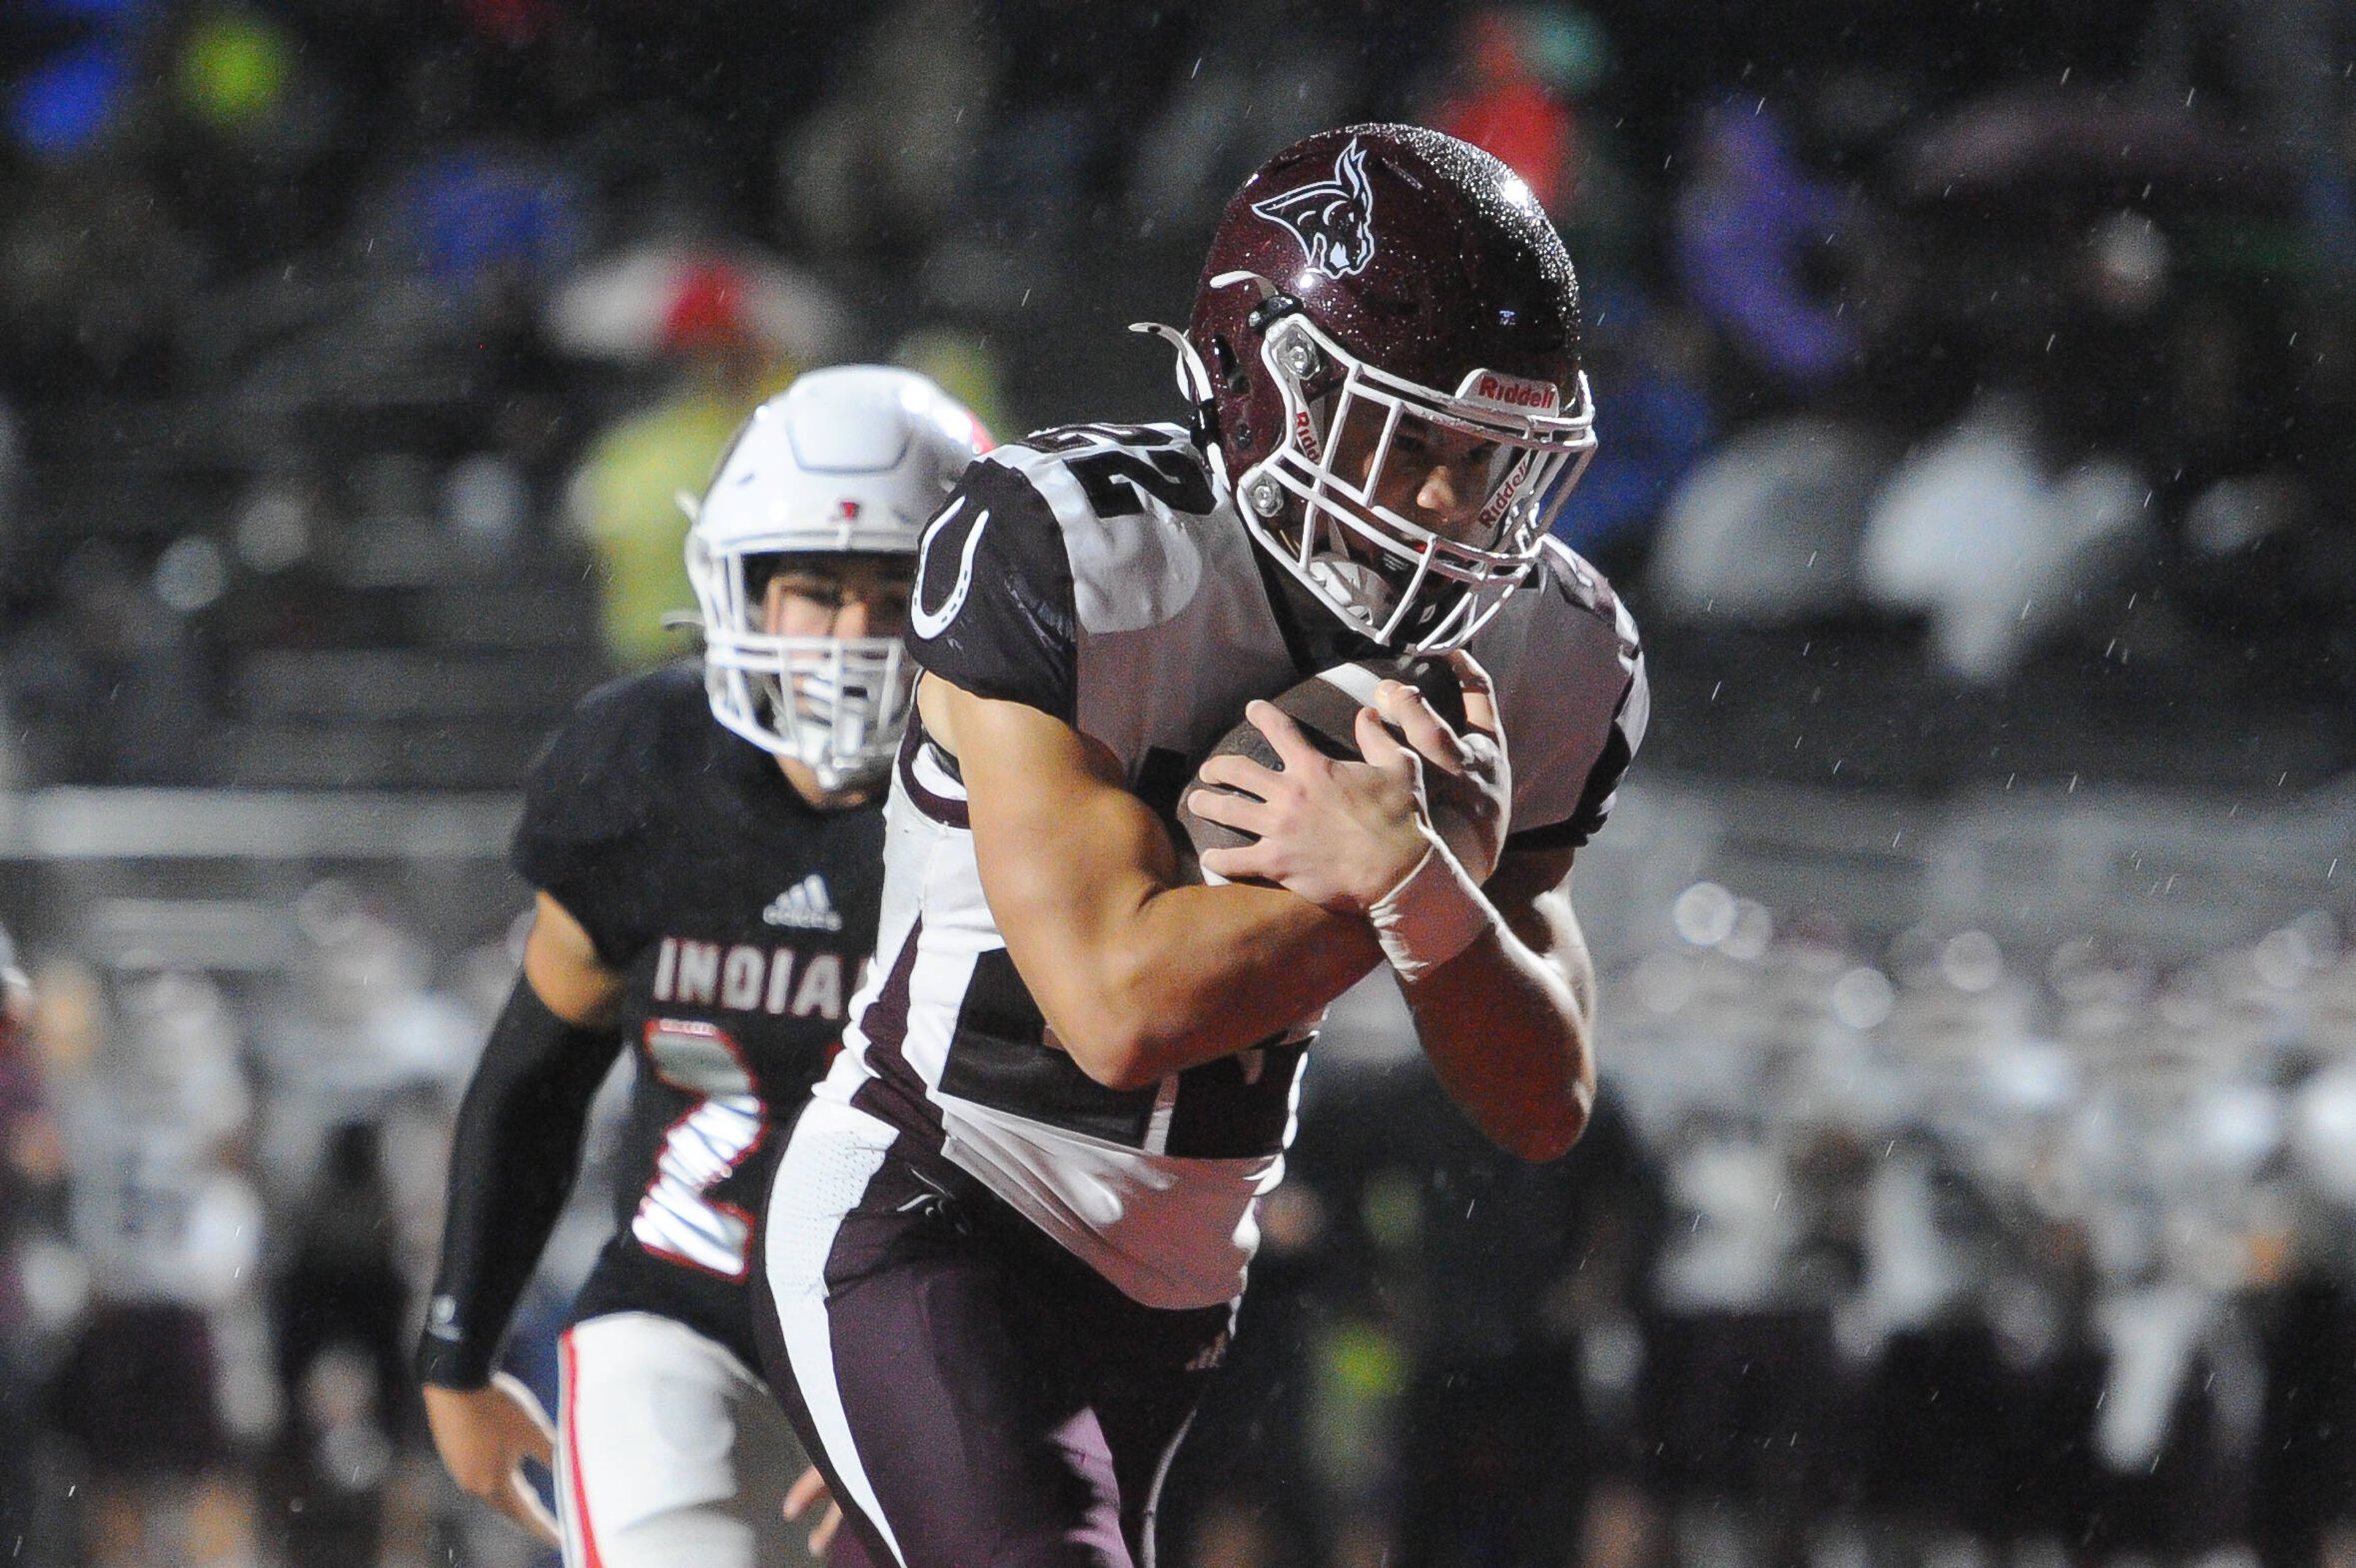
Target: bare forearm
<point>1506,1034</point>
<point>1149,979</point>
<point>1201,973</point>
<point>1508,1023</point>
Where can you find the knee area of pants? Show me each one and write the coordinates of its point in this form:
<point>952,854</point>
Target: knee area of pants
<point>705,1537</point>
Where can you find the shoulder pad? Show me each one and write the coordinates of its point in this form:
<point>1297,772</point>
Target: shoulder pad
<point>1571,577</point>
<point>1101,472</point>
<point>591,779</point>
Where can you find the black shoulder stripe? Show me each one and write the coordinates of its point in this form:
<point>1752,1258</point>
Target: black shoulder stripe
<point>993,611</point>
<point>1602,789</point>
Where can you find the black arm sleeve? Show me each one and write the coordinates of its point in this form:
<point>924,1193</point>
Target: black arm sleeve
<point>512,1162</point>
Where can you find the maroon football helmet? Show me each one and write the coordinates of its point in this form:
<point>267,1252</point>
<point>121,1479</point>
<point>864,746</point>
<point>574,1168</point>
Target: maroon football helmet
<point>1378,300</point>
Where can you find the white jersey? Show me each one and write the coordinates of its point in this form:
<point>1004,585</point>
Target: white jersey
<point>1097,573</point>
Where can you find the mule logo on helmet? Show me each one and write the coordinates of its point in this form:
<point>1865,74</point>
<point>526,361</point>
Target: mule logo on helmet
<point>1333,219</point>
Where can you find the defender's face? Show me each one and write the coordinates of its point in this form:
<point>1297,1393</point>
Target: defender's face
<point>837,596</point>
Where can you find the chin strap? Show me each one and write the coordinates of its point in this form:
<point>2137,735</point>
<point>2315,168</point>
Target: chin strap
<point>1195,386</point>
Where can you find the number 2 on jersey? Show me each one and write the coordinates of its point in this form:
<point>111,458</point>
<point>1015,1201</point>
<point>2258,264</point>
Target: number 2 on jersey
<point>678,1218</point>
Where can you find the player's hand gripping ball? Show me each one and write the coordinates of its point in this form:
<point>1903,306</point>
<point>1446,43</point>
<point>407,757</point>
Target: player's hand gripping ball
<point>1442,711</point>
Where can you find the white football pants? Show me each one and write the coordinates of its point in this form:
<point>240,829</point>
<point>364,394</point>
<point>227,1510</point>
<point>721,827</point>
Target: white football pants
<point>669,1454</point>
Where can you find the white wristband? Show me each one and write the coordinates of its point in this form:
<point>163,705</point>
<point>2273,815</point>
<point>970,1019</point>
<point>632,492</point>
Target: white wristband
<point>1432,915</point>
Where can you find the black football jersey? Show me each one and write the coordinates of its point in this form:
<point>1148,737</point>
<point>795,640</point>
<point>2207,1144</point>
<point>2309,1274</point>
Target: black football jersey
<point>739,916</point>
<point>1101,574</point>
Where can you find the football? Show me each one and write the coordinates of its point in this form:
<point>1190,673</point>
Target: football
<point>1326,707</point>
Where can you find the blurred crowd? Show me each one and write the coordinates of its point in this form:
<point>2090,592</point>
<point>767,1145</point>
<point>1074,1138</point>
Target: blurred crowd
<point>222,1200</point>
<point>1933,1254</point>
<point>1905,1253</point>
<point>2004,332</point>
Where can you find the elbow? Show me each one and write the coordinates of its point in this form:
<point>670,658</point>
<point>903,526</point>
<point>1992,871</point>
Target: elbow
<point>1127,1072</point>
<point>1125,1030</point>
<point>1123,1059</point>
<point>1122,1065</point>
<point>1547,1134</point>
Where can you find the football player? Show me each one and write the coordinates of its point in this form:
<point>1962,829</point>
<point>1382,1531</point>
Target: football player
<point>1008,1230</point>
<point>707,851</point>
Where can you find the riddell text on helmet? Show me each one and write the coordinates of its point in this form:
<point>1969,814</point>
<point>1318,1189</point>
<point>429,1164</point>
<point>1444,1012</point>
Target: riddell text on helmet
<point>1513,391</point>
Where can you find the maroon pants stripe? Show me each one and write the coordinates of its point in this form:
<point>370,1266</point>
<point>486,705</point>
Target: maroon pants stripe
<point>1008,1407</point>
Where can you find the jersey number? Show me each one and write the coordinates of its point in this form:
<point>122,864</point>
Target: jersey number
<point>1112,480</point>
<point>1115,481</point>
<point>678,1218</point>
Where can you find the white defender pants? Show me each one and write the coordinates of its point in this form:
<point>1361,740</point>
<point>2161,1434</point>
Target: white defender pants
<point>669,1454</point>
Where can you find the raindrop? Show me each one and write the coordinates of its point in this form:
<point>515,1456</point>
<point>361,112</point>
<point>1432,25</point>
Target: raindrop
<point>191,573</point>
<point>1863,997</point>
<point>1972,962</point>
<point>1754,929</point>
<point>2284,958</point>
<point>1704,914</point>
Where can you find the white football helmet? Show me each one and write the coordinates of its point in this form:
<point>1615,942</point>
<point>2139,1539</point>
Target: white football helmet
<point>851,460</point>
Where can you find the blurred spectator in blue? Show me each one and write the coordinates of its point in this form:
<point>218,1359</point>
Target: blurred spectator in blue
<point>1647,366</point>
<point>472,212</point>
<point>1746,221</point>
<point>67,103</point>
<point>80,88</point>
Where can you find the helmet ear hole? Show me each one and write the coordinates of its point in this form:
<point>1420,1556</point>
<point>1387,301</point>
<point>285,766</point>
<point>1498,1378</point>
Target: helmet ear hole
<point>1230,373</point>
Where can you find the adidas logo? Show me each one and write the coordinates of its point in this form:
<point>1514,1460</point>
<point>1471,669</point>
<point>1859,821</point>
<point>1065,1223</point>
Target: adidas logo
<point>805,906</point>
